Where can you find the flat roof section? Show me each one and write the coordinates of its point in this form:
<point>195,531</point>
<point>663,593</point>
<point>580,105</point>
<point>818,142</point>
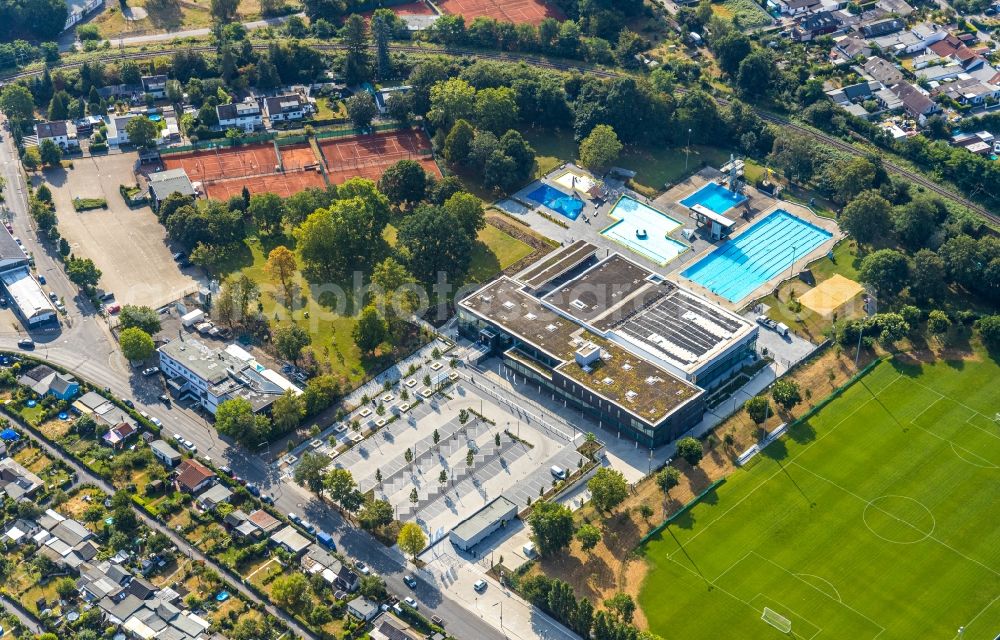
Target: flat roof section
<point>558,262</point>
<point>484,519</point>
<point>603,288</point>
<point>683,329</point>
<point>503,303</point>
<point>32,302</point>
<point>629,381</point>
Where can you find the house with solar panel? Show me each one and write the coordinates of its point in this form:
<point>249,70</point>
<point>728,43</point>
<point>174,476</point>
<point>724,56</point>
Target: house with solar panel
<point>632,350</point>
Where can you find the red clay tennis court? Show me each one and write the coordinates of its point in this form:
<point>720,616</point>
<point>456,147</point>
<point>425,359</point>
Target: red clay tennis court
<point>282,184</point>
<point>369,156</point>
<point>516,11</point>
<point>219,164</point>
<point>224,172</point>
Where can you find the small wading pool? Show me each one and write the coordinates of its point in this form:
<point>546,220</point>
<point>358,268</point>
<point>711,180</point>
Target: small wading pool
<point>561,203</point>
<point>715,198</point>
<point>644,230</point>
<point>575,181</point>
<point>737,267</point>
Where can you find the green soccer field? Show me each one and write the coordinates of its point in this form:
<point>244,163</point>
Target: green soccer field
<point>877,518</point>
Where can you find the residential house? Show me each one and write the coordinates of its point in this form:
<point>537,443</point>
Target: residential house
<point>915,101</point>
<point>848,48</point>
<point>102,410</point>
<point>165,183</point>
<point>896,7</point>
<point>263,521</point>
<point>118,435</point>
<point>214,496</point>
<point>193,476</point>
<point>954,49</point>
<point>795,7</point>
<point>883,71</point>
<point>210,376</point>
<point>317,560</point>
<point>968,90</point>
<point>913,41</point>
<point>246,115</point>
<point>363,609</point>
<point>292,541</point>
<point>165,453</point>
<point>382,97</point>
<point>388,627</point>
<point>882,28</point>
<point>888,100</point>
<point>46,381</point>
<point>16,481</point>
<point>815,25</point>
<point>854,93</point>
<point>155,86</point>
<point>980,142</point>
<point>940,72</point>
<point>20,531</point>
<point>61,132</point>
<point>285,108</point>
<point>117,133</point>
<point>138,607</point>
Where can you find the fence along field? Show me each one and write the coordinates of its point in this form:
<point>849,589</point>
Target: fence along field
<point>874,518</point>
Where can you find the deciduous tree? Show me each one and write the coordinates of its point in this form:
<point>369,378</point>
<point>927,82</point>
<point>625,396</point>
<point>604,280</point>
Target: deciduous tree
<point>608,489</point>
<point>690,450</point>
<point>411,539</point>
<point>600,149</point>
<point>136,344</point>
<point>552,526</point>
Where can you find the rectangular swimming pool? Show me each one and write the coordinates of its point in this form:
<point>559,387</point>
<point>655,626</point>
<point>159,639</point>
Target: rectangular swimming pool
<point>739,266</point>
<point>714,197</point>
<point>558,201</point>
<point>644,230</point>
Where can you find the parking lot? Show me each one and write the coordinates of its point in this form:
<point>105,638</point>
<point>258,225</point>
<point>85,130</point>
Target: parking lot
<point>517,468</point>
<point>127,245</point>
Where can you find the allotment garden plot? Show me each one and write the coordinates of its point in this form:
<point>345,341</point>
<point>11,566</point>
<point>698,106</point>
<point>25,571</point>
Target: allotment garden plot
<point>876,518</point>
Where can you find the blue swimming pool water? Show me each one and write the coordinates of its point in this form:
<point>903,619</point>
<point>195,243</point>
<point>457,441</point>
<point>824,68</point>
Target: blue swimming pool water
<point>634,217</point>
<point>715,198</point>
<point>156,117</point>
<point>760,253</point>
<point>558,201</point>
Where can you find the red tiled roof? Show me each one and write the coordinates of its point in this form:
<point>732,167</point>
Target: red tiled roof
<point>192,473</point>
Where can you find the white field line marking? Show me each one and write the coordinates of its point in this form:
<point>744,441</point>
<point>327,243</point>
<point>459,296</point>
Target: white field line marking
<point>981,612</point>
<point>827,595</point>
<point>870,503</point>
<point>801,617</point>
<point>804,449</point>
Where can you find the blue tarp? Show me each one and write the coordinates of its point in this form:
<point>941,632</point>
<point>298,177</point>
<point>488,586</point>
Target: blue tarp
<point>9,435</point>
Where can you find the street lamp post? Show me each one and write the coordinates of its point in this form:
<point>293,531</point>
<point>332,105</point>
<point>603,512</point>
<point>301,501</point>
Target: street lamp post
<point>687,151</point>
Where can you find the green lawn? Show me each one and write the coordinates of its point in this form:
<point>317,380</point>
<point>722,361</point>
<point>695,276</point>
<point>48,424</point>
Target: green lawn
<point>494,252</point>
<point>330,331</point>
<point>655,168</point>
<point>874,518</point>
<point>327,109</point>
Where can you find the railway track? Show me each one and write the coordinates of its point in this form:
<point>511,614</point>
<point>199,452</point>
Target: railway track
<point>562,66</point>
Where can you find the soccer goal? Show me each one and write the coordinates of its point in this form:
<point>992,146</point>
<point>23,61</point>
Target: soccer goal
<point>776,620</point>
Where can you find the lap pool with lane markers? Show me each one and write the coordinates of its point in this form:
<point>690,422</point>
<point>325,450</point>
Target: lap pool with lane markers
<point>737,267</point>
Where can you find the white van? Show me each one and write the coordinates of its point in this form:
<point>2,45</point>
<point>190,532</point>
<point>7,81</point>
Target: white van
<point>529,550</point>
<point>558,472</point>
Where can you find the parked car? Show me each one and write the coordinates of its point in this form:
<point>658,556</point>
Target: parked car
<point>190,446</point>
<point>177,437</point>
<point>180,255</point>
<point>165,399</point>
<point>436,619</point>
<point>410,601</point>
<point>114,308</point>
<point>226,470</point>
<point>362,568</point>
<point>410,581</point>
<point>253,489</point>
<point>129,403</point>
<point>267,499</point>
<point>150,371</point>
<point>156,421</point>
<point>293,517</point>
<point>52,295</point>
<point>3,301</point>
<point>26,343</point>
<point>41,280</point>
<point>479,586</point>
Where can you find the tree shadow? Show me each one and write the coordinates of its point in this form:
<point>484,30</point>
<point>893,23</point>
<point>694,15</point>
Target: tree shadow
<point>802,432</point>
